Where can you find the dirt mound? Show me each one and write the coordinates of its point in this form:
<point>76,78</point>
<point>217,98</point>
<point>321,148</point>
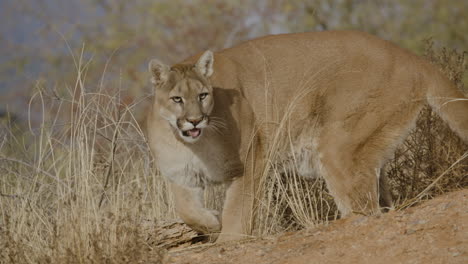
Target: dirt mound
<point>433,232</point>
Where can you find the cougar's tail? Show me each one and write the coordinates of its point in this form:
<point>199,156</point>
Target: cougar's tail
<point>451,104</point>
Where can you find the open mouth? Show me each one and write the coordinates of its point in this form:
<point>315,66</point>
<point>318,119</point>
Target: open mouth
<point>193,133</point>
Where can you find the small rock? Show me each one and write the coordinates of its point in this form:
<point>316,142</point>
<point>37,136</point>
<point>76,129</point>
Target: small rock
<point>360,220</point>
<point>446,206</point>
<point>260,253</point>
<point>418,222</point>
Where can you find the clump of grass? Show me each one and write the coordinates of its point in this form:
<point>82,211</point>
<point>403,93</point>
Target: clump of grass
<point>77,187</point>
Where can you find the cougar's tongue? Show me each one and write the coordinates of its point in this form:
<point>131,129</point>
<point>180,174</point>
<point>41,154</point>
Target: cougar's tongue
<point>194,132</point>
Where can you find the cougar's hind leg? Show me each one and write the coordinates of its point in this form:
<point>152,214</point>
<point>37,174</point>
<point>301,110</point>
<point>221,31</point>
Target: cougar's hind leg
<point>385,195</point>
<point>353,182</point>
<point>354,176</point>
<point>354,191</point>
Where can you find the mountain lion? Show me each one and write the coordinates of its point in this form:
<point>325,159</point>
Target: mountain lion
<point>336,103</point>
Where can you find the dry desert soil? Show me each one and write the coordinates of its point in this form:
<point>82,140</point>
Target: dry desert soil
<point>432,232</point>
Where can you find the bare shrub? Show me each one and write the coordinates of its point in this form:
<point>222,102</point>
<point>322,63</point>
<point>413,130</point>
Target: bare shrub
<point>431,150</point>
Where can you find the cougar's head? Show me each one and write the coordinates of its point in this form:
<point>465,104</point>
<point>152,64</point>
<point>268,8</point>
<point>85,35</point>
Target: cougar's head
<point>184,96</point>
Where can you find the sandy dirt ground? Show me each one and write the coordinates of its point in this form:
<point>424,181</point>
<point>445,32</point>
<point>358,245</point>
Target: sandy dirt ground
<point>432,232</point>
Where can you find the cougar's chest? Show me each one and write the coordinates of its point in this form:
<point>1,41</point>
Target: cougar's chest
<point>198,165</point>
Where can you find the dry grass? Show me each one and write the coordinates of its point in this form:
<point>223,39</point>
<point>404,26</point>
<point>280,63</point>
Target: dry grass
<point>80,187</point>
<point>79,191</point>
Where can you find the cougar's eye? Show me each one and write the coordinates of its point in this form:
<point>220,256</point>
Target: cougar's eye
<point>202,96</point>
<point>177,99</point>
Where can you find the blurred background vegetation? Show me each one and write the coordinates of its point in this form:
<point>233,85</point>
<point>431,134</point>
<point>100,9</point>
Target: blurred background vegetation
<point>39,36</point>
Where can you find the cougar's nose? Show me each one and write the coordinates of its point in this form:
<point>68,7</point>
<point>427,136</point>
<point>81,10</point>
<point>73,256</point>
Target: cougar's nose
<point>195,121</point>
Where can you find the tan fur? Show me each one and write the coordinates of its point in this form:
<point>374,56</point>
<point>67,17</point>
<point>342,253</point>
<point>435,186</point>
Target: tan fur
<point>334,103</point>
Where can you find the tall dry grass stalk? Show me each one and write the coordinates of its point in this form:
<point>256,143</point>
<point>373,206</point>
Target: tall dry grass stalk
<point>288,201</point>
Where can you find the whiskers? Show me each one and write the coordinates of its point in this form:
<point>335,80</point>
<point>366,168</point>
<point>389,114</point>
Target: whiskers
<point>217,125</point>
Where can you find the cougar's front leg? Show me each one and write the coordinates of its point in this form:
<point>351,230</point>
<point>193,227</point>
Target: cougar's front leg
<point>189,207</point>
<point>240,204</point>
<point>238,210</point>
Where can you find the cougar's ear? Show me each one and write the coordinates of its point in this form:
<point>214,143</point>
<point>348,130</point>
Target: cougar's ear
<point>205,63</point>
<point>159,71</point>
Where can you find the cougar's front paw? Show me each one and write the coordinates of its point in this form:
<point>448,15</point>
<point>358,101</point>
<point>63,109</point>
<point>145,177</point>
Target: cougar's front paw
<point>204,221</point>
<point>211,221</point>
